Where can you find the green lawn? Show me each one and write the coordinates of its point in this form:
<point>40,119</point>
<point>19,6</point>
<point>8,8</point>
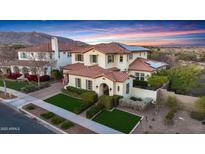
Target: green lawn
<point>117,119</point>
<point>68,103</point>
<point>14,84</point>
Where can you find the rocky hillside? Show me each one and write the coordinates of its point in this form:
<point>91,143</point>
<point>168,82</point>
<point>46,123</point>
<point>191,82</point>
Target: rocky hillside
<point>31,38</point>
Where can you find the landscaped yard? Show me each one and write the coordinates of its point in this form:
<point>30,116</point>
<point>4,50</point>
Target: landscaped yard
<point>117,119</point>
<point>14,84</point>
<point>69,103</point>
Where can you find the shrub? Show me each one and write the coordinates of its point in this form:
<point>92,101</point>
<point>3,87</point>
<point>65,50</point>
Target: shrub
<point>139,83</point>
<point>198,115</point>
<point>200,104</point>
<point>57,120</point>
<point>44,78</point>
<point>157,81</point>
<point>171,102</point>
<point>116,99</point>
<point>169,117</point>
<point>30,88</point>
<point>67,124</point>
<point>106,101</point>
<point>76,90</point>
<point>89,97</point>
<point>93,110</point>
<point>47,115</point>
<point>30,107</point>
<point>14,76</point>
<point>56,74</point>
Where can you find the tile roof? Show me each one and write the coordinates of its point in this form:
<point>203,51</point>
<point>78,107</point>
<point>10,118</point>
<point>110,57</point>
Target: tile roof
<point>107,48</point>
<point>96,71</point>
<point>48,48</point>
<point>30,63</point>
<point>141,64</point>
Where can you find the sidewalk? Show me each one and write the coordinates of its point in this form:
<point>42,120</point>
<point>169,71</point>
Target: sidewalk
<point>24,99</point>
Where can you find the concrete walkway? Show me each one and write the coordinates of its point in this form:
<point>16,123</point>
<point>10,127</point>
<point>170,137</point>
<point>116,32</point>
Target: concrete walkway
<point>54,89</point>
<point>24,99</point>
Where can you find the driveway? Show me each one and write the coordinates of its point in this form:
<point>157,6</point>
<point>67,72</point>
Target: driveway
<point>14,122</point>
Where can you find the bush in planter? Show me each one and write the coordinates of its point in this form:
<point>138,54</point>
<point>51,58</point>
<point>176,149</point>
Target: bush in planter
<point>197,116</point>
<point>106,101</point>
<point>89,97</point>
<point>30,107</point>
<point>47,115</point>
<point>66,125</point>
<point>57,120</point>
<point>94,110</point>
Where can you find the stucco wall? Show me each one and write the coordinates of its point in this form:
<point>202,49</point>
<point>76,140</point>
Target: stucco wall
<point>143,93</point>
<point>113,86</point>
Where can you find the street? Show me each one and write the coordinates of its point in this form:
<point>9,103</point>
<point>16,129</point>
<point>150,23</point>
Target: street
<point>14,122</point>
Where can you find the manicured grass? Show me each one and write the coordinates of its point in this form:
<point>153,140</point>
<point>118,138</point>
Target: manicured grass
<point>69,103</point>
<point>14,84</point>
<point>117,119</point>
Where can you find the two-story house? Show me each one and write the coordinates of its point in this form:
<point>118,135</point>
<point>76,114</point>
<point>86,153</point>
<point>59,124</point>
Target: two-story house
<point>42,58</point>
<point>107,68</point>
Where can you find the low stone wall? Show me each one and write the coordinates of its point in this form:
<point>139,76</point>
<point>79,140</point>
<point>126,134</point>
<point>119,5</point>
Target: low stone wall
<point>144,93</point>
<point>187,102</point>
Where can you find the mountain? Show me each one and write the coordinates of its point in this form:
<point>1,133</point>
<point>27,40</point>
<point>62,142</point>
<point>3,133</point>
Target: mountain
<point>32,38</point>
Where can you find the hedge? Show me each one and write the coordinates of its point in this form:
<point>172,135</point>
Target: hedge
<point>198,115</point>
<point>140,83</point>
<point>171,102</point>
<point>106,101</point>
<point>116,99</point>
<point>89,97</point>
<point>93,110</point>
<point>30,88</point>
<point>76,90</point>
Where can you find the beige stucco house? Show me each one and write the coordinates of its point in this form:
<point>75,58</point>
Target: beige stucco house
<point>109,69</point>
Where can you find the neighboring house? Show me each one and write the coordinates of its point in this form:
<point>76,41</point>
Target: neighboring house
<point>42,58</point>
<point>108,69</point>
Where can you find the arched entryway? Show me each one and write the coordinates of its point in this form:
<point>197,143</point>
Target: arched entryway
<point>104,89</point>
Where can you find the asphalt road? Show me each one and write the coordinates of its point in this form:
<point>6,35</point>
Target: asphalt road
<point>14,122</point>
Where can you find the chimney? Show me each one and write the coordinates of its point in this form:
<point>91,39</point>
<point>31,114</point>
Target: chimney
<point>54,46</point>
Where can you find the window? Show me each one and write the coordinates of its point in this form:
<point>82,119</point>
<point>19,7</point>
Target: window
<point>69,54</point>
<point>140,54</point>
<point>78,82</point>
<point>23,55</point>
<point>127,88</point>
<point>50,55</point>
<point>140,76</point>
<point>78,57</point>
<point>118,88</point>
<point>137,76</point>
<point>121,58</point>
<point>93,58</point>
<point>131,56</point>
<point>110,58</point>
<point>89,85</point>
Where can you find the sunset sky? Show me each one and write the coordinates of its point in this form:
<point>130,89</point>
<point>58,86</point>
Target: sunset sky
<point>145,33</point>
